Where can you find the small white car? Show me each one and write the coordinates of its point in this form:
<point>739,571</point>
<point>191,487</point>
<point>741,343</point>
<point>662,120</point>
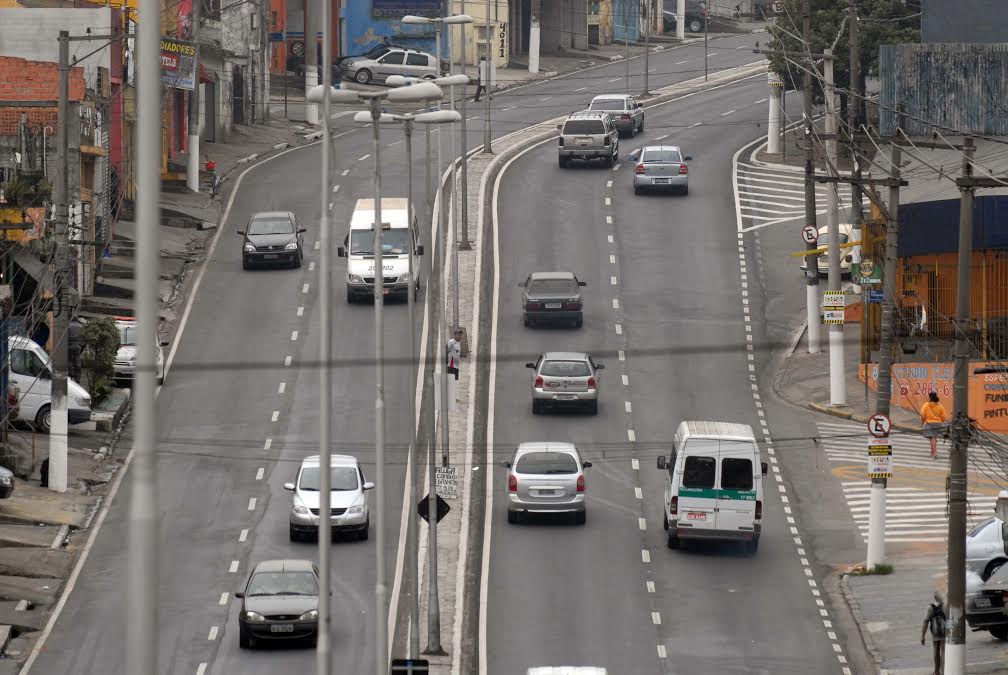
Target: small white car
<point>849,257</point>
<point>348,500</point>
<point>125,360</point>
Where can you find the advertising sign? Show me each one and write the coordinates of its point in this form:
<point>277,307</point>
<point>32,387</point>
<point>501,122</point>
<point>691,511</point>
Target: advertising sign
<point>868,272</point>
<point>880,458</point>
<point>178,64</point>
<point>396,9</point>
<point>833,307</point>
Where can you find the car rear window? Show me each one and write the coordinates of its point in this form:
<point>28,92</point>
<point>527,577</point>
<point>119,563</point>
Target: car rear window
<point>565,369</point>
<point>554,286</point>
<point>736,474</point>
<point>655,155</point>
<point>583,127</point>
<point>698,472</point>
<point>608,104</point>
<point>547,463</point>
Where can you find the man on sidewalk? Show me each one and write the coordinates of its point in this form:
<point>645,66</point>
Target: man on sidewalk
<point>935,621</point>
<point>454,353</point>
<point>482,80</point>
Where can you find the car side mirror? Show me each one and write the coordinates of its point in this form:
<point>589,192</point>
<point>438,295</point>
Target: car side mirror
<point>341,252</point>
<point>688,158</point>
<point>506,464</point>
<point>240,594</point>
<point>165,343</point>
<point>45,374</point>
<point>530,365</point>
<point>559,127</point>
<point>419,249</point>
<point>586,465</point>
<point>368,485</point>
<point>582,283</point>
<point>661,462</point>
<point>763,466</point>
<point>301,230</point>
<point>634,156</point>
<point>241,232</point>
<point>289,487</point>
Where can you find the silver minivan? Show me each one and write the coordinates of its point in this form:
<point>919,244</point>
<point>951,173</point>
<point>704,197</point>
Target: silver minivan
<point>546,477</point>
<point>588,135</point>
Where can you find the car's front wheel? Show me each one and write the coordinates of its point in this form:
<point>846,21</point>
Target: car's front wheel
<point>363,76</point>
<point>695,25</point>
<point>992,567</point>
<point>244,641</point>
<point>294,536</point>
<point>43,419</point>
<point>1000,632</point>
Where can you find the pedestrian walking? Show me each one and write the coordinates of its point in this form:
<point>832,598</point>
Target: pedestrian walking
<point>933,418</point>
<point>482,80</point>
<point>936,621</point>
<point>211,169</point>
<point>453,352</point>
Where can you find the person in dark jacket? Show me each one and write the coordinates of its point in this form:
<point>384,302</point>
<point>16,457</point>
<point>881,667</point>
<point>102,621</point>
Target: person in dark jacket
<point>74,348</point>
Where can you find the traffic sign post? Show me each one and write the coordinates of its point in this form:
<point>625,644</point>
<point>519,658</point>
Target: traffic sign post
<point>879,425</point>
<point>810,234</point>
<point>880,458</point>
<point>833,307</point>
<point>423,508</point>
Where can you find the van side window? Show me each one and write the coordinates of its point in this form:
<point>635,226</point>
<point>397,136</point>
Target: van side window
<point>736,474</point>
<point>23,362</point>
<point>698,472</point>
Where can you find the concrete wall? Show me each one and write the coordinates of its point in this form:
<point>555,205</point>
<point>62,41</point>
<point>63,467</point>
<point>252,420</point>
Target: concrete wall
<point>30,33</point>
<point>474,33</point>
<point>564,25</point>
<point>964,21</point>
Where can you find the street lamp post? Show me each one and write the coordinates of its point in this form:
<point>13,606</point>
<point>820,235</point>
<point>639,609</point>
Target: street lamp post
<point>417,93</point>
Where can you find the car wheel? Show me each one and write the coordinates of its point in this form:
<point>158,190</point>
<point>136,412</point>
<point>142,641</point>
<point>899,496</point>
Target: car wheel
<point>593,408</point>
<point>245,265</point>
<point>43,419</point>
<point>350,297</point>
<point>992,567</point>
<point>563,162</point>
<point>244,641</point>
<point>695,26</point>
<point>294,536</point>
<point>1000,632</point>
<point>297,262</point>
<point>536,407</point>
<point>636,189</point>
<point>313,640</point>
<point>512,517</point>
<point>363,76</point>
<point>641,129</point>
<point>611,162</point>
<point>580,517</point>
<point>664,521</point>
<point>752,546</point>
<point>366,532</point>
<point>578,323</point>
<point>673,540</point>
<point>525,321</point>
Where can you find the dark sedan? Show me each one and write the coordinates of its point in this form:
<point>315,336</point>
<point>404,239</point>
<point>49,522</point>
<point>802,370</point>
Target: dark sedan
<point>6,483</point>
<point>552,296</point>
<point>272,238</point>
<point>280,602</point>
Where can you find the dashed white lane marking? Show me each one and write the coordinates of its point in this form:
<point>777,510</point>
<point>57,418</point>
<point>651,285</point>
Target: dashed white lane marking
<point>661,652</point>
<point>288,359</point>
<point>762,100</point>
<point>656,618</point>
<point>243,536</point>
<point>300,311</point>
<point>616,168</point>
<point>201,669</point>
<point>612,281</point>
<point>213,633</point>
<point>304,288</point>
<point>311,265</point>
<point>627,406</point>
<point>608,220</point>
<point>612,260</point>
<point>335,188</point>
<point>330,206</point>
<point>641,524</point>
<point>508,108</point>
<point>275,416</point>
<point>713,54</point>
<point>610,238</point>
<point>608,184</point>
<point>608,201</point>
<point>282,388</point>
<point>223,599</point>
<point>631,436</point>
<point>652,70</point>
<point>626,383</point>
<point>650,587</point>
<point>361,159</point>
<point>615,303</point>
<point>616,79</point>
<point>645,555</point>
<point>634,464</point>
<point>294,336</point>
<point>260,473</point>
<point>345,172</point>
<point>619,329</point>
<point>252,504</point>
<point>545,98</point>
<point>234,567</point>
<point>621,355</point>
<point>661,137</point>
<point>581,89</point>
<point>267,445</point>
<point>725,114</point>
<point>679,63</point>
<point>695,124</point>
<point>317,245</point>
<point>637,493</point>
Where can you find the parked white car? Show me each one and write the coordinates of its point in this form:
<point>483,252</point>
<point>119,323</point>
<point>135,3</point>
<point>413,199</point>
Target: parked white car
<point>849,257</point>
<point>31,375</point>
<point>125,360</point>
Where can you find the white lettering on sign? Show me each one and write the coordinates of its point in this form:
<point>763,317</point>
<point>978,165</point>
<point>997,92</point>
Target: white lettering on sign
<point>446,482</point>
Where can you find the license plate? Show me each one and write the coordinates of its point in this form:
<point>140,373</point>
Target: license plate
<point>270,256</point>
<point>565,397</point>
<point>694,515</point>
<point>982,602</point>
<point>282,628</point>
<point>584,141</point>
<point>552,305</point>
<point>546,493</point>
<point>661,180</point>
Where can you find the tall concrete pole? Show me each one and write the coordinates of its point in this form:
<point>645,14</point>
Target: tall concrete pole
<point>454,212</point>
<point>58,414</point>
<point>381,591</point>
<point>144,517</point>
<point>647,43</point>
<point>323,652</point>
<point>464,239</point>
<point>626,46</point>
<point>854,118</point>
<point>193,160</point>
<point>811,260</point>
<point>838,386</point>
<point>955,648</point>
<point>877,500</point>
<point>487,138</point>
<point>414,472</point>
<point>776,115</point>
<point>680,16</point>
<point>311,60</point>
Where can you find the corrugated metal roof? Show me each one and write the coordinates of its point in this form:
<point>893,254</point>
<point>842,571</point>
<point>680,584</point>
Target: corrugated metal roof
<point>927,185</point>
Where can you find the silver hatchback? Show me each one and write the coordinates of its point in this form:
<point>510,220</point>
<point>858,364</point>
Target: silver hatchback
<point>546,477</point>
<point>348,500</point>
<point>565,379</point>
<point>660,167</point>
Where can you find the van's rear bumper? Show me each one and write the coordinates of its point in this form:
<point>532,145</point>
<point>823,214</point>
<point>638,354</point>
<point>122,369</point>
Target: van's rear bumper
<point>688,532</point>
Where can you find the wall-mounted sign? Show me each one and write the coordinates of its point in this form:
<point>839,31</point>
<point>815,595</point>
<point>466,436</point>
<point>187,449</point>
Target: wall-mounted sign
<point>178,64</point>
<point>395,9</point>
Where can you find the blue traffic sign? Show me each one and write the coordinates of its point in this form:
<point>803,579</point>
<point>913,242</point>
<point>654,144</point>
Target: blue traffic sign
<point>875,296</point>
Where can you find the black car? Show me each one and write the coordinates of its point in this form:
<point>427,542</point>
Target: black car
<point>552,296</point>
<point>694,17</point>
<point>272,238</point>
<point>279,602</point>
<point>987,604</point>
<point>6,483</point>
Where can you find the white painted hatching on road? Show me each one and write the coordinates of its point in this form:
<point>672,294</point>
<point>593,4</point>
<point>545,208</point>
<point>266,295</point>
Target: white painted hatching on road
<point>345,172</point>
<point>201,669</point>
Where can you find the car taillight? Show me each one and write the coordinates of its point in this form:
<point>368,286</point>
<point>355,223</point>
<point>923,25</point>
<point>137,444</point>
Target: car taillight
<point>512,483</point>
<point>533,305</point>
<point>639,170</point>
<point>539,382</point>
<point>561,141</point>
<point>683,169</point>
<point>591,382</point>
<point>572,305</point>
<point>674,506</point>
<point>581,483</point>
<point>759,509</point>
<point>626,116</point>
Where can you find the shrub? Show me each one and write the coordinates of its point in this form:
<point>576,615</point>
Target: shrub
<point>99,345</point>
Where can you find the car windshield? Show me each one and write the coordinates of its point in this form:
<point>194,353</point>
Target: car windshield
<point>661,155</point>
<point>565,369</point>
<point>343,478</point>
<point>377,51</point>
<point>394,242</point>
<point>547,463</point>
<point>608,104</point>
<point>824,239</point>
<point>583,127</point>
<point>127,336</point>
<point>553,287</point>
<point>270,226</point>
<point>282,583</point>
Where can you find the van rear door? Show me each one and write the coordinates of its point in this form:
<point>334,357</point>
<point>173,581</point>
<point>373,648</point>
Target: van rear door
<point>697,490</point>
<point>736,503</point>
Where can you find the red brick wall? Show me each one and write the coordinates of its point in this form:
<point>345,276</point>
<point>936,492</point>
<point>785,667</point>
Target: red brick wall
<point>24,80</point>
<point>10,118</point>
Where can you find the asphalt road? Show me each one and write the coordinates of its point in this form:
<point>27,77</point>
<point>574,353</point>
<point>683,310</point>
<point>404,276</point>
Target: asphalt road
<point>561,594</point>
<point>216,411</point>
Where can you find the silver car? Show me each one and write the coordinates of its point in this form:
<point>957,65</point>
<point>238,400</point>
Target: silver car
<point>406,62</point>
<point>348,501</point>
<point>660,167</point>
<point>626,112</point>
<point>565,379</point>
<point>546,477</point>
<point>987,547</point>
<point>588,135</point>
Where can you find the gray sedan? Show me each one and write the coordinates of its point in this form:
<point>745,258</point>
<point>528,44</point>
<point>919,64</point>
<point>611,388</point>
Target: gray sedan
<point>552,296</point>
<point>660,167</point>
<point>546,477</point>
<point>565,379</point>
<point>626,112</point>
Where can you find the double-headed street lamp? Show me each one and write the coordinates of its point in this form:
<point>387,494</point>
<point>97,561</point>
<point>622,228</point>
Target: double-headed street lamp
<point>415,94</point>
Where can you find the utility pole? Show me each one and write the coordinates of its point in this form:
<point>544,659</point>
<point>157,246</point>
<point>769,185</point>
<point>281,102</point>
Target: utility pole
<point>706,16</point>
<point>776,114</point>
<point>626,46</point>
<point>453,211</point>
<point>854,118</point>
<point>838,388</point>
<point>487,138</point>
<point>955,648</point>
<point>647,43</point>
<point>311,61</point>
<point>680,23</point>
<point>59,419</point>
<point>144,514</point>
<point>192,163</point>
<point>464,241</point>
<point>877,503</point>
<point>811,260</point>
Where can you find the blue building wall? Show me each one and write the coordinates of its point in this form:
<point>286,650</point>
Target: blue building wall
<point>933,227</point>
<point>368,22</point>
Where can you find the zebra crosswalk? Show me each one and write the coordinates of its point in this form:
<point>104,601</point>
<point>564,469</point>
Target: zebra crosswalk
<point>770,194</point>
<point>916,510</point>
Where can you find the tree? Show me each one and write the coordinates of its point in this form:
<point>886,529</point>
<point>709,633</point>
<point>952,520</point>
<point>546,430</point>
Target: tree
<point>879,22</point>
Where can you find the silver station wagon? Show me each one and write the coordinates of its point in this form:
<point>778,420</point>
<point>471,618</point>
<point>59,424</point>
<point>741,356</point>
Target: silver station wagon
<point>546,477</point>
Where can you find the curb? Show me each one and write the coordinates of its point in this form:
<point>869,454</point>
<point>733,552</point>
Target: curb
<point>855,609</point>
<point>857,417</point>
<point>108,422</point>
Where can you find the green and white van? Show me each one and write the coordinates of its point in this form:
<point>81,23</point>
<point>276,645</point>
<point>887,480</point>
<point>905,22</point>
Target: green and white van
<point>713,484</point>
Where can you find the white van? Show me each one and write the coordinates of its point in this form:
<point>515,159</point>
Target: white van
<point>399,239</point>
<point>714,484</point>
<point>31,373</point>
